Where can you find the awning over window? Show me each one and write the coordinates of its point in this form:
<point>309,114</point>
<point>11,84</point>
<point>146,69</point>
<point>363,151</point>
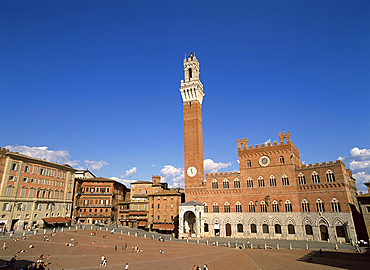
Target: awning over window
<point>142,223</point>
<point>164,227</point>
<point>216,226</point>
<point>56,220</point>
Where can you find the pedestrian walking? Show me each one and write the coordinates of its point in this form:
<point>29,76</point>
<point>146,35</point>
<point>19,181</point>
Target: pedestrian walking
<point>115,248</point>
<point>126,266</point>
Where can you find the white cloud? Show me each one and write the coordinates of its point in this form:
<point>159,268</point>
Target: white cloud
<point>95,165</point>
<point>362,177</point>
<point>359,163</point>
<point>129,173</point>
<point>212,167</point>
<point>361,154</point>
<point>60,156</point>
<point>173,176</point>
<point>126,182</point>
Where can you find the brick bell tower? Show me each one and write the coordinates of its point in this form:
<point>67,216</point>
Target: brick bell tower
<point>192,97</point>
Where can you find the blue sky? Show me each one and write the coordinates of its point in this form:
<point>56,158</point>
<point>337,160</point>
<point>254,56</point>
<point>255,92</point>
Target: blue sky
<point>96,83</point>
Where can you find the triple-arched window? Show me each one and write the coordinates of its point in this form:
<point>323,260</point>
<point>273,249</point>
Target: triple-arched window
<point>238,207</point>
<point>320,206</point>
<point>272,181</point>
<point>335,205</point>
<point>263,207</point>
<point>301,179</point>
<point>249,182</point>
<point>305,206</point>
<point>275,206</point>
<point>252,209</point>
<point>285,180</point>
<point>330,176</point>
<point>216,208</point>
<point>315,178</point>
<point>261,182</point>
<point>227,207</point>
<point>214,184</point>
<point>236,183</point>
<point>288,206</point>
<point>225,183</point>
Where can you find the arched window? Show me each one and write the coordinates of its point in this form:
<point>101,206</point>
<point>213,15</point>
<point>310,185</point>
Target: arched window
<point>236,183</point>
<point>308,229</point>
<point>249,163</point>
<point>335,205</point>
<point>206,227</point>
<point>215,208</point>
<point>301,179</point>
<point>288,206</point>
<point>305,206</point>
<point>265,228</point>
<point>277,229</point>
<point>261,182</point>
<point>281,160</point>
<point>340,231</point>
<point>263,207</point>
<point>225,183</point>
<point>227,207</point>
<point>214,184</point>
<point>285,180</point>
<point>205,208</point>
<point>252,209</point>
<point>56,193</point>
<point>249,182</point>
<point>320,206</point>
<point>239,228</point>
<point>315,178</point>
<point>330,176</point>
<point>61,194</point>
<point>275,206</point>
<point>272,181</point>
<point>291,229</point>
<point>238,207</point>
<point>23,192</point>
<point>253,228</point>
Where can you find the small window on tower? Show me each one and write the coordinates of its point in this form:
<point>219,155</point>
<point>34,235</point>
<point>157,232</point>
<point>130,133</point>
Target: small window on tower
<point>190,73</point>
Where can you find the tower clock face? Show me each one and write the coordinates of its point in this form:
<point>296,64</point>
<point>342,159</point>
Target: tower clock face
<point>264,161</point>
<point>191,171</point>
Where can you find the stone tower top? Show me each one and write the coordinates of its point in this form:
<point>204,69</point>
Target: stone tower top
<point>191,87</point>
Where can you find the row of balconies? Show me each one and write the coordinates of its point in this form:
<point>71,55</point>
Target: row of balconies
<point>95,206</point>
<point>95,194</point>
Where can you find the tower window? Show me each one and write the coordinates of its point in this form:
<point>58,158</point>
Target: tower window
<point>190,73</point>
<point>281,160</point>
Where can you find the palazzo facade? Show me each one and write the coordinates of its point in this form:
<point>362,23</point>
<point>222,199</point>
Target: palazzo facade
<point>272,196</point>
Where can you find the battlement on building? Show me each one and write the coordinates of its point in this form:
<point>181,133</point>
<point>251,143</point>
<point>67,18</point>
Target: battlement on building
<point>284,139</point>
<point>235,173</point>
<point>323,164</point>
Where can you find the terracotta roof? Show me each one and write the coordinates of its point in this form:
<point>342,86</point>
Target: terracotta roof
<point>142,223</point>
<point>165,227</point>
<point>165,193</point>
<point>141,182</point>
<point>57,219</point>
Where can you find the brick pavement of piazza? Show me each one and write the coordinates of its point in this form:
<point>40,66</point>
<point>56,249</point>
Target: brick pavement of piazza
<point>177,255</point>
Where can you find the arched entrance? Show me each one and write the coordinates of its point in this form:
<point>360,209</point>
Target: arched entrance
<point>228,229</point>
<point>189,223</point>
<point>324,232</point>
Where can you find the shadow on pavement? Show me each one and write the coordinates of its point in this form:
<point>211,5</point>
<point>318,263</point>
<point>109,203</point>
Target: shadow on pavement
<point>346,260</point>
